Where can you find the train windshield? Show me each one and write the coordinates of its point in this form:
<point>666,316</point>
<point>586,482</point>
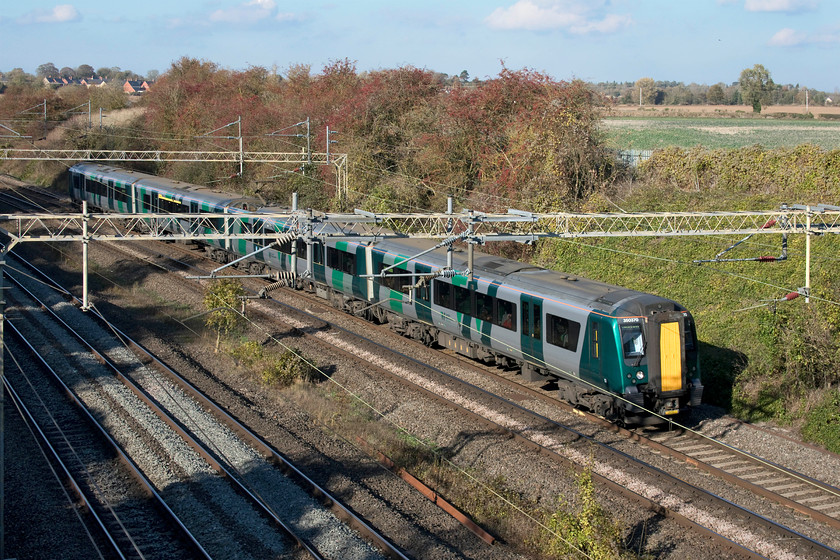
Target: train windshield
<point>633,341</point>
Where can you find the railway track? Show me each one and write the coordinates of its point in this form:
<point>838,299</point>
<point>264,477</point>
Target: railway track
<point>66,432</point>
<point>271,500</point>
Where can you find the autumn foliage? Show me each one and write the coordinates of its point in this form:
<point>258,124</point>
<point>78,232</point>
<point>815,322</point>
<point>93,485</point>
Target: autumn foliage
<point>412,137</point>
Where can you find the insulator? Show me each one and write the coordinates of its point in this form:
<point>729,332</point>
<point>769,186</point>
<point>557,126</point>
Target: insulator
<point>447,273</point>
<point>283,279</point>
<point>285,238</point>
<point>792,295</point>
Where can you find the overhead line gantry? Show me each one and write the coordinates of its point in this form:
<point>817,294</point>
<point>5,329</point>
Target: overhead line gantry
<point>473,228</point>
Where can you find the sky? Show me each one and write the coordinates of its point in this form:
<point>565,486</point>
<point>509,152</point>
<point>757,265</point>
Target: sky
<point>689,41</point>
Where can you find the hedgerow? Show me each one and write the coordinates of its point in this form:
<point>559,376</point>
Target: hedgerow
<point>800,173</point>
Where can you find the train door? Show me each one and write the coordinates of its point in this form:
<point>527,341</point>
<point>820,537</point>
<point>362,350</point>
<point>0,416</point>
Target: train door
<point>666,332</point>
<point>531,320</point>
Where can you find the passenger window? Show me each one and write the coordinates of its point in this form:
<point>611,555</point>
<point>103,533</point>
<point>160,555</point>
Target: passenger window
<point>396,283</point>
<point>506,314</point>
<point>562,332</point>
<point>443,294</point>
<point>463,300</point>
<point>341,260</point>
<point>484,307</point>
<point>537,332</point>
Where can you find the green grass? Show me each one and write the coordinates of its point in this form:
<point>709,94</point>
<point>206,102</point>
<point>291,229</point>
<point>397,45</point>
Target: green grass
<point>640,133</point>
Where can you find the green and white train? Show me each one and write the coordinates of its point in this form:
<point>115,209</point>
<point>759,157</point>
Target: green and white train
<point>621,353</point>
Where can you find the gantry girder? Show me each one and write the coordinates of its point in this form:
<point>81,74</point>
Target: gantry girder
<point>476,227</point>
<point>169,155</point>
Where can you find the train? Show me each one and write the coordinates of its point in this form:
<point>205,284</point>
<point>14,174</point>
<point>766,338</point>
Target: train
<point>626,355</point>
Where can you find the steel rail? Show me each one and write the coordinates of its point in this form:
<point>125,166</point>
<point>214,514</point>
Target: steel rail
<point>124,458</point>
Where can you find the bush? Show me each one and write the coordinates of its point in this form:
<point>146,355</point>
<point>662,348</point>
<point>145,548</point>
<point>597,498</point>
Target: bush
<point>822,424</point>
<point>588,530</point>
<point>287,368</point>
<point>787,173</point>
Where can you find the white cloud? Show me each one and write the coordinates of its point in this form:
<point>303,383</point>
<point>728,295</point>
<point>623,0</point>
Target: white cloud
<point>789,6</point>
<point>249,12</point>
<point>791,38</point>
<point>786,37</point>
<point>610,24</point>
<point>577,16</point>
<point>59,14</point>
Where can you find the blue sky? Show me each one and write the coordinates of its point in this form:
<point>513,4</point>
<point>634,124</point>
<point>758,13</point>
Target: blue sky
<point>702,41</point>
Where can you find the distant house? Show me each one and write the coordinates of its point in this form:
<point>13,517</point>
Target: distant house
<point>93,82</point>
<point>136,86</point>
<point>828,100</point>
<point>53,81</point>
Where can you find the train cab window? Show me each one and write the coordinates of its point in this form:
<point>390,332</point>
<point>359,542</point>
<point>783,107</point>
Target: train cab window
<point>562,332</point>
<point>632,341</point>
<point>505,314</point>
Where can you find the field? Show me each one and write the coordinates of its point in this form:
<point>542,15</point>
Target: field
<point>720,127</point>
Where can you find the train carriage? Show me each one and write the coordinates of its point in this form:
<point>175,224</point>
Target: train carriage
<point>621,353</point>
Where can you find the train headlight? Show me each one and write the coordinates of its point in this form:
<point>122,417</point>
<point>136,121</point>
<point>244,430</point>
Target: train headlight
<point>640,375</point>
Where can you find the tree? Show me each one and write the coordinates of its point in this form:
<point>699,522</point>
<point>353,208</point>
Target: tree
<point>47,69</point>
<point>67,72</point>
<point>85,71</point>
<point>756,86</point>
<point>647,89</point>
<point>222,300</point>
<point>716,95</point>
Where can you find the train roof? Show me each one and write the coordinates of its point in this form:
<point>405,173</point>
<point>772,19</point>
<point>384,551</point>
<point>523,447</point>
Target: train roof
<point>188,190</point>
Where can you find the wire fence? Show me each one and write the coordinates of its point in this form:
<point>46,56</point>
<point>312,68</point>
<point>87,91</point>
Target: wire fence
<point>632,158</point>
